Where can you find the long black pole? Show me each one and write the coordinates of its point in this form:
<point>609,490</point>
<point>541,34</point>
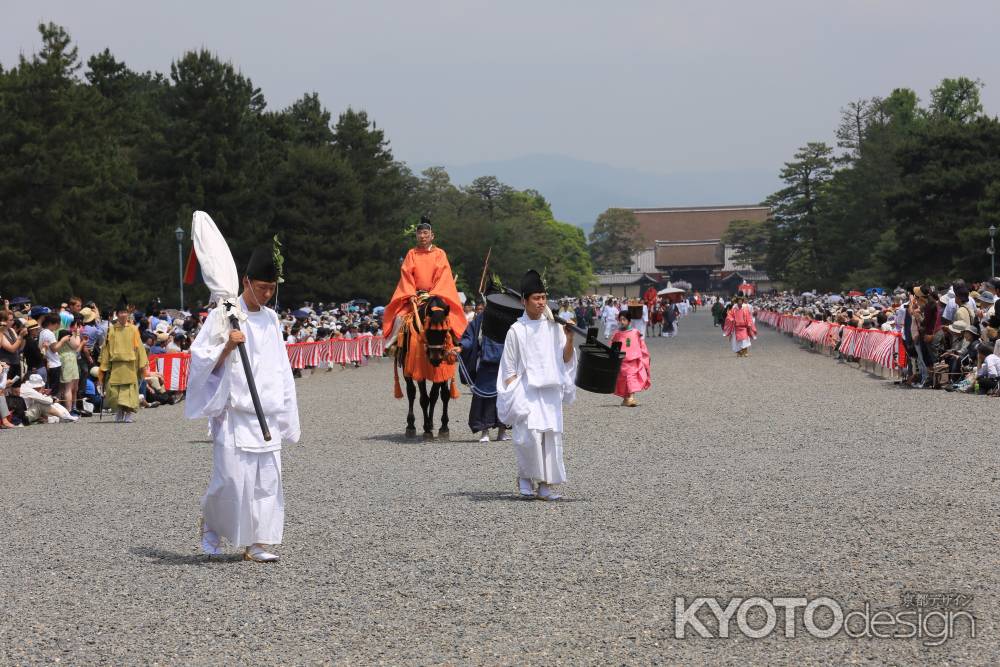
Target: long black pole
<point>235,323</point>
<point>180,269</point>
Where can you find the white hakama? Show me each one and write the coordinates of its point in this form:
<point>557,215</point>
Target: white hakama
<point>245,502</point>
<point>740,344</point>
<point>533,402</point>
<point>539,455</point>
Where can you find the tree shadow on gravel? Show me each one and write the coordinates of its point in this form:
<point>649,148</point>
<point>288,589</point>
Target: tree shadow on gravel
<point>506,496</point>
<point>164,557</point>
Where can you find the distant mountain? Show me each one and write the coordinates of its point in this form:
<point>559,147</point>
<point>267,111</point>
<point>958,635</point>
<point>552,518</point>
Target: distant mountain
<point>579,191</point>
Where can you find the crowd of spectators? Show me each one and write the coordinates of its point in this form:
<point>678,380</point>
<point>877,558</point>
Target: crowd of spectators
<point>320,322</point>
<point>950,332</point>
<point>49,358</point>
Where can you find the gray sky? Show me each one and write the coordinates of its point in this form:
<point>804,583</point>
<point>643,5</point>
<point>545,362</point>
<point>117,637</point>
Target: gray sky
<point>662,86</point>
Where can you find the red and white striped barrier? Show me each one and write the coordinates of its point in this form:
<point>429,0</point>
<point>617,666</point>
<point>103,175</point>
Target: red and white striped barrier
<point>335,350</point>
<point>882,348</point>
<point>174,367</point>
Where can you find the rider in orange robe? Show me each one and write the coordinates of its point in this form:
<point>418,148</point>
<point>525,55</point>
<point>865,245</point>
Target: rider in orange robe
<point>425,268</point>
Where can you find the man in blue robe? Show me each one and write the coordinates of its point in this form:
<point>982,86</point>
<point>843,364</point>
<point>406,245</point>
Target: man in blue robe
<point>481,363</point>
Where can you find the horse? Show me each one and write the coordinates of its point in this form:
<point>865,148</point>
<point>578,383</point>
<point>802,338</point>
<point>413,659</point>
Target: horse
<point>424,351</point>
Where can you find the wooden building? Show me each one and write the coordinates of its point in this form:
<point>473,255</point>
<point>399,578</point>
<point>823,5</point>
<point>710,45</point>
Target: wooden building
<point>686,244</point>
<point>627,285</point>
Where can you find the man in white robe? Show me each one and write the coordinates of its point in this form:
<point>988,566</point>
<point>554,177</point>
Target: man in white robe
<point>609,316</point>
<point>244,503</point>
<point>536,379</point>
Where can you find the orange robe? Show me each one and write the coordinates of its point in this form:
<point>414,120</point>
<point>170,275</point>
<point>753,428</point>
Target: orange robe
<point>427,270</point>
<point>418,366</point>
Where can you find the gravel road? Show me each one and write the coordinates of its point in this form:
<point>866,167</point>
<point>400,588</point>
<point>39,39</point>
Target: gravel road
<point>785,474</point>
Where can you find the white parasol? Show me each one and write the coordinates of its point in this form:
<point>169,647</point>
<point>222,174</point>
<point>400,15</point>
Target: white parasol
<point>671,290</point>
<point>217,265</point>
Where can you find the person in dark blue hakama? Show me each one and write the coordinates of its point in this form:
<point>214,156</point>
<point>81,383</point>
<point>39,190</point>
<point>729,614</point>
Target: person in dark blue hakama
<point>481,363</point>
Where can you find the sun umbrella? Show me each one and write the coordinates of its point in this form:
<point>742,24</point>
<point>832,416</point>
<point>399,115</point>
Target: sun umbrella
<point>671,290</point>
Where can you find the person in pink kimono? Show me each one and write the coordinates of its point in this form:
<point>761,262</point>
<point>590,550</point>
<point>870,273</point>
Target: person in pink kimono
<point>740,327</point>
<point>634,374</point>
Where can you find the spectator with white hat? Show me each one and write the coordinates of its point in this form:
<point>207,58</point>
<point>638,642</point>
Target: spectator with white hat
<point>39,405</point>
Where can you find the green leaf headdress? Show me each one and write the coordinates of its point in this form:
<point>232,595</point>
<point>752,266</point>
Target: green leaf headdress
<point>279,261</point>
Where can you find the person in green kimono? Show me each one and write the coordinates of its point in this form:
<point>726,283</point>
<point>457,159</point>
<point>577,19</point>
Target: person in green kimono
<point>718,313</point>
<point>123,364</point>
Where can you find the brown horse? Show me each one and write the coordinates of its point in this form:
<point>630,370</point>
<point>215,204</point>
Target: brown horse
<point>424,350</point>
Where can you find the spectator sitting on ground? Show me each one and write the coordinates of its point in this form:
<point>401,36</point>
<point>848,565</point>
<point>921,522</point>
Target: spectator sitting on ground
<point>90,390</point>
<point>39,405</point>
<point>988,372</point>
<point>155,394</point>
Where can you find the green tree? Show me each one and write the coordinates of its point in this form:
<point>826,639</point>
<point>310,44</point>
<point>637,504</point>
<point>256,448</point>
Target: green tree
<point>97,171</point>
<point>570,270</point>
<point>856,223</point>
<point>749,238</point>
<point>490,194</point>
<point>901,109</point>
<point>614,240</point>
<point>989,205</point>
<point>793,254</point>
<point>197,140</point>
<point>375,246</point>
<point>949,171</point>
<point>956,100</point>
<point>64,181</point>
<point>855,120</point>
<point>318,197</point>
<point>311,121</point>
<point>557,249</point>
